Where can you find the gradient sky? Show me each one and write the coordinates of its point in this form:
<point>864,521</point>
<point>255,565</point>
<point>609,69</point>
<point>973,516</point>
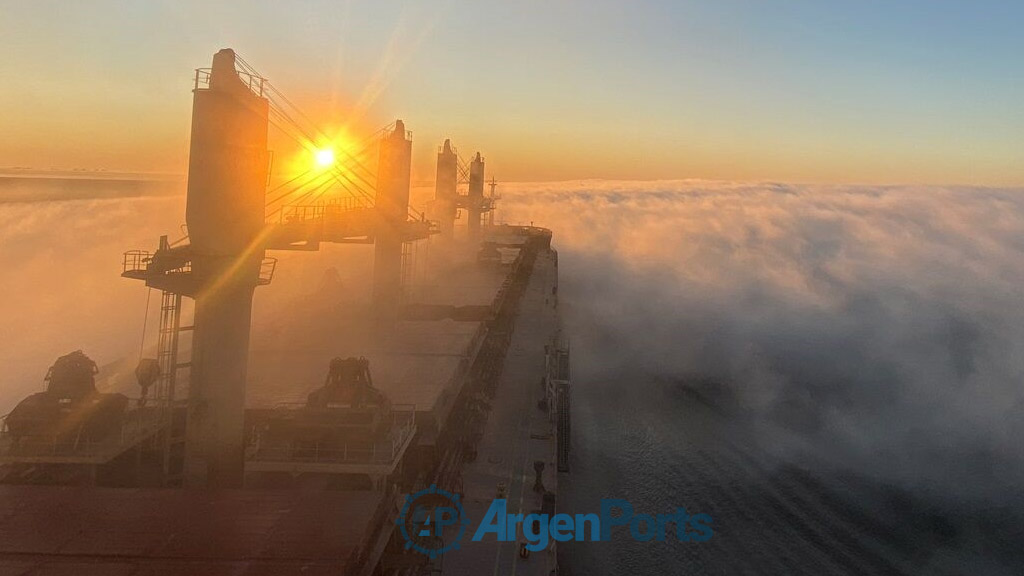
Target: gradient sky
<point>901,91</point>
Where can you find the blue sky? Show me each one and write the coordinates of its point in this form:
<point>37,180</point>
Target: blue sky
<point>870,91</point>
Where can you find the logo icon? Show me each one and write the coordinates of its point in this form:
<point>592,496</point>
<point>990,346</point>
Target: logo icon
<point>424,518</point>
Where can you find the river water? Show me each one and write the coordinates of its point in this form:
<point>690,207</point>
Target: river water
<point>660,446</point>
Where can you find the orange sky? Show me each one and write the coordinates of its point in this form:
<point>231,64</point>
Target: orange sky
<point>547,91</point>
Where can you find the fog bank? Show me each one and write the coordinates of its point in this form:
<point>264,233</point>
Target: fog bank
<point>880,327</point>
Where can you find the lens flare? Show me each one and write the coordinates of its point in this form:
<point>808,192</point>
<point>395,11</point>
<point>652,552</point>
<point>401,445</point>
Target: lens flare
<point>324,157</point>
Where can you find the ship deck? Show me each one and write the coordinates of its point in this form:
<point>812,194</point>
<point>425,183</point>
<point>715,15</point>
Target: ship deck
<point>516,435</point>
<point>420,362</point>
<point>134,532</point>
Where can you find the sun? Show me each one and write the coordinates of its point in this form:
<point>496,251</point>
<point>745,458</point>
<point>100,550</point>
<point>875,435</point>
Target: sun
<point>324,157</point>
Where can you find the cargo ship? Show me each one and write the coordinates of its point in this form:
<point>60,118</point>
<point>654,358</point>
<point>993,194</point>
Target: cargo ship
<point>232,453</point>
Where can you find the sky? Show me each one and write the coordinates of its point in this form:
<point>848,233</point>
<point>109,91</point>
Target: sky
<point>910,91</point>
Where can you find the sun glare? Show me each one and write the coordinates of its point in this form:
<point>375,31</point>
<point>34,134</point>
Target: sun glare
<point>324,157</point>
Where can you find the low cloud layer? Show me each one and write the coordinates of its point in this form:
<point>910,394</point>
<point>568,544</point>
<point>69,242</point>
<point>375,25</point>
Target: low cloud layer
<point>878,327</point>
<point>881,327</point>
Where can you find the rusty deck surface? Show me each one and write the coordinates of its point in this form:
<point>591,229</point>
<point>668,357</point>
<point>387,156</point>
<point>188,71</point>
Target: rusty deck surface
<point>83,531</point>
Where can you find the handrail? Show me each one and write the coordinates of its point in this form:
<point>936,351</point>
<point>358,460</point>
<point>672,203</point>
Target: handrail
<point>267,268</point>
<point>255,83</point>
<point>405,407</point>
<point>136,261</point>
<point>306,212</point>
<point>138,423</point>
<point>374,451</point>
<point>387,132</point>
<point>141,260</point>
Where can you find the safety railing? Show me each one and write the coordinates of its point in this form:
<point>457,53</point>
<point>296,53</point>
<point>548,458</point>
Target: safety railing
<point>267,268</point>
<point>141,261</point>
<point>391,130</point>
<point>139,423</point>
<point>136,261</point>
<point>377,451</point>
<point>256,84</point>
<point>305,212</point>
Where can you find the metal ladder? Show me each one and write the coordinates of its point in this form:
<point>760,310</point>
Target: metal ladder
<point>407,269</point>
<point>172,419</point>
